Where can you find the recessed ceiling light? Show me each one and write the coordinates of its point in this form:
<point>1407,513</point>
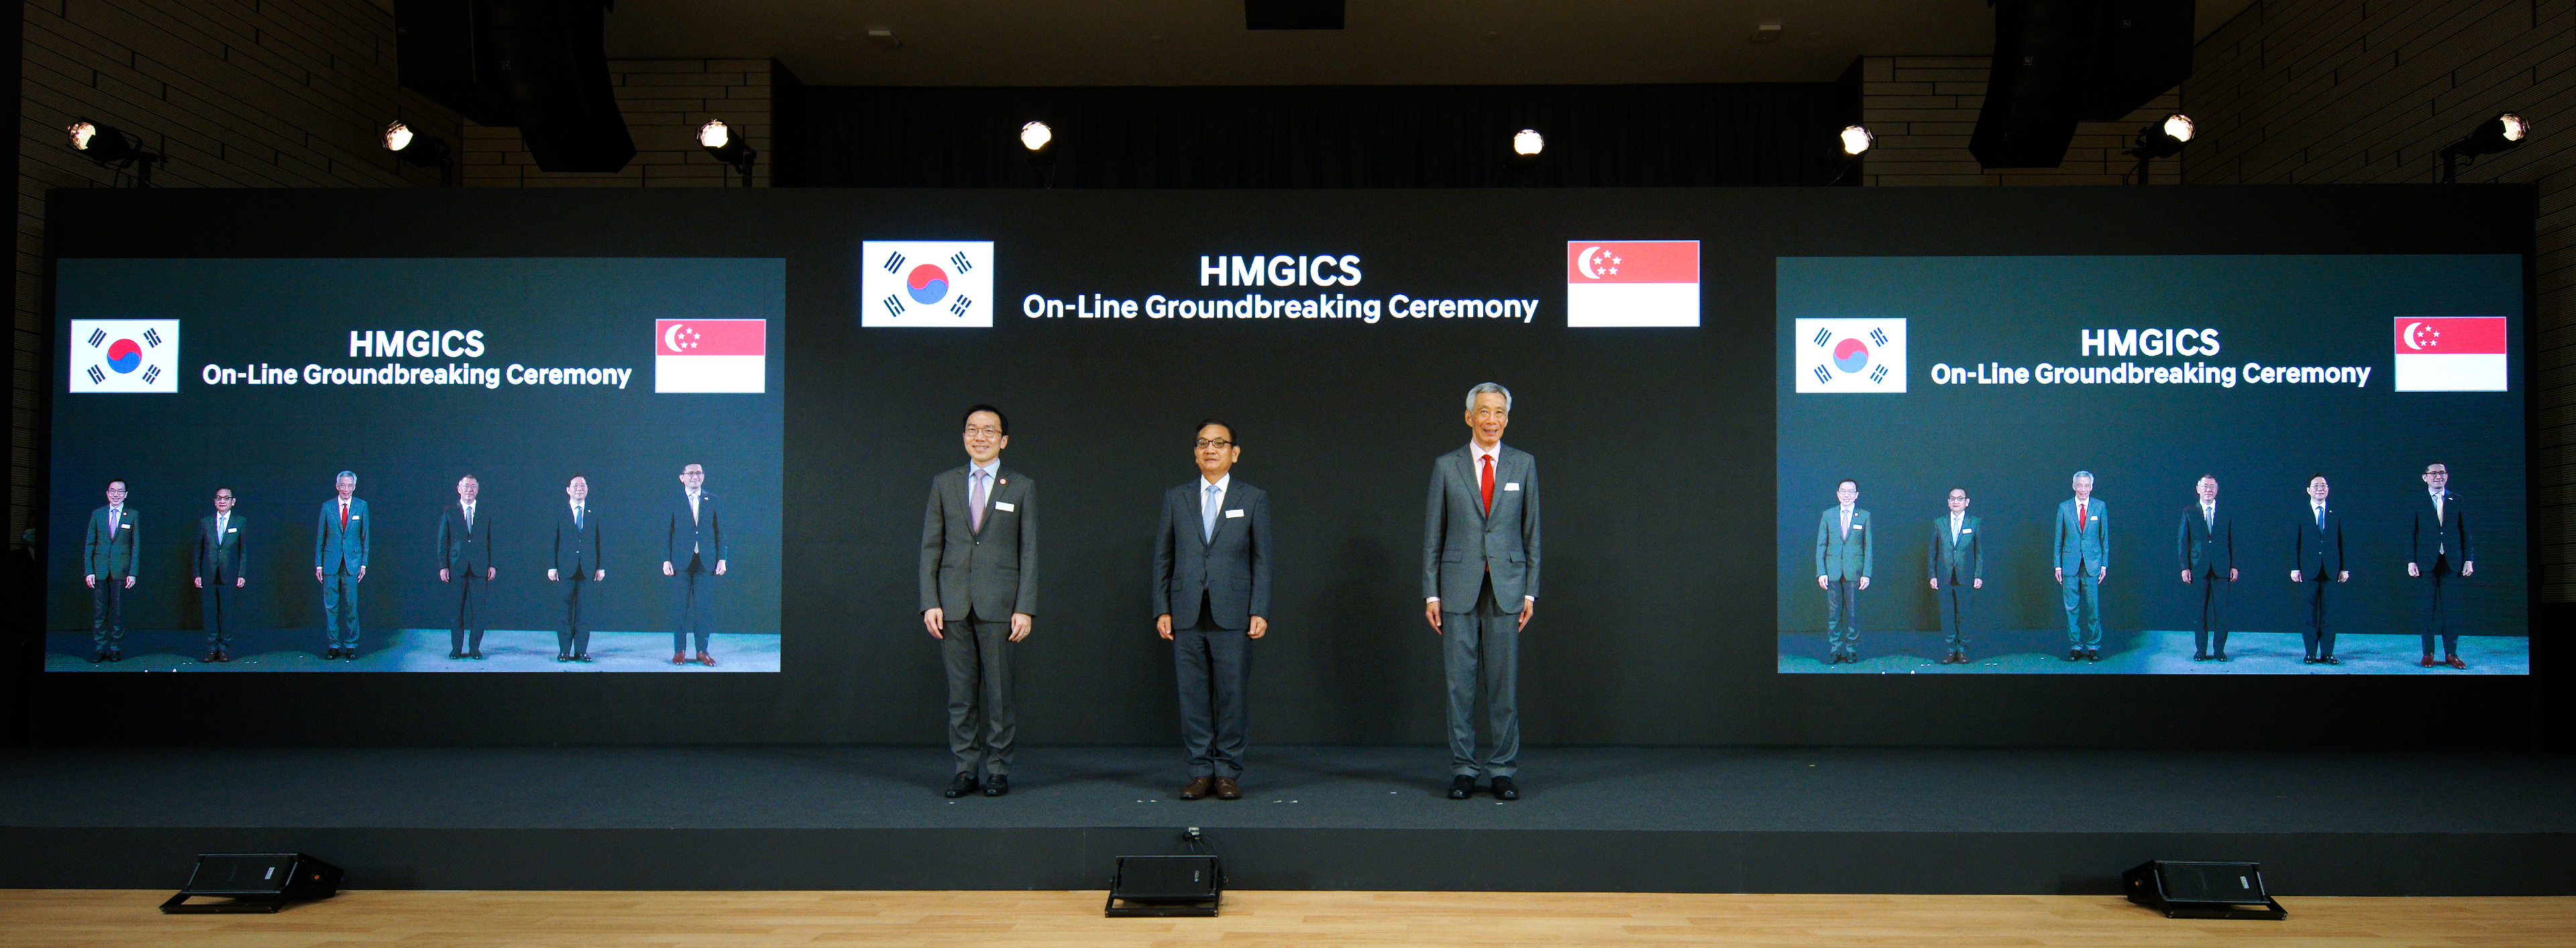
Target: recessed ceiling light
<point>884,36</point>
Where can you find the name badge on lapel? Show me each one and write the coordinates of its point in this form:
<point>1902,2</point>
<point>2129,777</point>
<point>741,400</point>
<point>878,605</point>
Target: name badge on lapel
<point>1512,485</point>
<point>1858,526</point>
<point>1967,530</point>
<point>125,526</point>
<point>1231,514</point>
<point>1004,507</point>
<point>233,530</point>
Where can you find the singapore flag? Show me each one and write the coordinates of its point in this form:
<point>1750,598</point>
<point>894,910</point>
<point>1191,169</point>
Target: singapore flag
<point>2450,354</point>
<point>710,355</point>
<point>1631,283</point>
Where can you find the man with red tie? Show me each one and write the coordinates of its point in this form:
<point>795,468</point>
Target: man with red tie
<point>339,564</point>
<point>1480,586</point>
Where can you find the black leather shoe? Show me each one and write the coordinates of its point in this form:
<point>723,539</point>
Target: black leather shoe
<point>453,655</point>
<point>1505,789</point>
<point>97,656</point>
<point>2220,657</point>
<point>2074,654</point>
<point>2199,657</point>
<point>962,785</point>
<point>563,658</point>
<point>1462,787</point>
<point>476,655</point>
<point>2331,660</point>
<point>214,656</point>
<point>581,658</point>
<point>116,655</point>
<point>996,785</point>
<point>2309,660</point>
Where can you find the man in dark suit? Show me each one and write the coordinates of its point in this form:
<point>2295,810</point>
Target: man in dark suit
<point>2207,542</point>
<point>1480,559</point>
<point>2315,563</point>
<point>217,556</point>
<point>340,564</point>
<point>1846,553</point>
<point>107,567</point>
<point>2440,538</point>
<point>1212,593</point>
<point>2083,554</point>
<point>979,565</point>
<point>576,562</point>
<point>465,564</point>
<point>693,555</point>
<point>1957,560</point>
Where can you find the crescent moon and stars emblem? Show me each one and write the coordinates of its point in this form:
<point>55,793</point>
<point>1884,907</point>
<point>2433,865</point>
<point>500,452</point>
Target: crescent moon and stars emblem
<point>1607,263</point>
<point>672,338</point>
<point>2420,337</point>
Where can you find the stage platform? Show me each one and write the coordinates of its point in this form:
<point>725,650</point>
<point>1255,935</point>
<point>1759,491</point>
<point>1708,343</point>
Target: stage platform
<point>1591,819</point>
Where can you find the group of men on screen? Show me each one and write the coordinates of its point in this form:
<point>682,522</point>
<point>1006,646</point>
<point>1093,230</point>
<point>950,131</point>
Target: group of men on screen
<point>1213,557</point>
<point>2439,553</point>
<point>467,566</point>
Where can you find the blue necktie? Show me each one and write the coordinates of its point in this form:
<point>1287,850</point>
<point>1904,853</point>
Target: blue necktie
<point>1207,515</point>
<point>2321,519</point>
<point>576,516</point>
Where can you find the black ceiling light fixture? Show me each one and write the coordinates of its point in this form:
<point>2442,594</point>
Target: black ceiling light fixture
<point>1292,14</point>
<point>2161,140</point>
<point>113,148</point>
<point>2501,133</point>
<point>719,140</point>
<point>1855,141</point>
<point>421,151</point>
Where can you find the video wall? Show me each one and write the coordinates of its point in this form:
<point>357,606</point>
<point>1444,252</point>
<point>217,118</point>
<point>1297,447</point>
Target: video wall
<point>2285,465</point>
<point>416,465</point>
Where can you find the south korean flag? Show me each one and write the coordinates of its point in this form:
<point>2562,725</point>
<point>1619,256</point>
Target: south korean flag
<point>943,284</point>
<point>1851,356</point>
<point>124,355</point>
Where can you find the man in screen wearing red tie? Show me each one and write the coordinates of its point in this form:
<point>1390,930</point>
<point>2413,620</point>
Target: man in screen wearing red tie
<point>2083,548</point>
<point>339,564</point>
<point>1480,554</point>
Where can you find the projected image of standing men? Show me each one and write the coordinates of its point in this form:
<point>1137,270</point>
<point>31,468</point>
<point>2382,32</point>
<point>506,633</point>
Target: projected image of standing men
<point>1480,556</point>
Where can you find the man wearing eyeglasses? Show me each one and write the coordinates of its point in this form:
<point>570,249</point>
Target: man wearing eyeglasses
<point>2440,539</point>
<point>1212,588</point>
<point>979,594</point>
<point>1480,586</point>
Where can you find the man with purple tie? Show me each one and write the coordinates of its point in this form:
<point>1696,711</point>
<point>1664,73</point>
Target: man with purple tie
<point>979,595</point>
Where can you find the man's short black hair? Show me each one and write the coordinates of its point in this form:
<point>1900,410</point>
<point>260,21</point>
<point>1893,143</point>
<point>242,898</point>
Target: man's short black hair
<point>1005,420</point>
<point>1230,434</point>
<point>2313,478</point>
<point>1838,485</point>
<point>1963,492</point>
<point>113,481</point>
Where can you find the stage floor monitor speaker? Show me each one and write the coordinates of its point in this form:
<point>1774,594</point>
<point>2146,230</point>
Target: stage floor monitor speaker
<point>255,882</point>
<point>1165,887</point>
<point>2202,889</point>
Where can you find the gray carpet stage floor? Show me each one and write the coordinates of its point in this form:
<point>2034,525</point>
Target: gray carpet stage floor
<point>408,650</point>
<point>1597,819</point>
<point>2149,652</point>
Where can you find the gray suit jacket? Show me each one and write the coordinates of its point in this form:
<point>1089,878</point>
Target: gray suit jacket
<point>991,572</point>
<point>1231,570</point>
<point>1462,544</point>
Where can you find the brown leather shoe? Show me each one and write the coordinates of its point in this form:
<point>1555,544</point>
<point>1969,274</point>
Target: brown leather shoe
<point>679,658</point>
<point>1199,787</point>
<point>2428,660</point>
<point>706,660</point>
<point>1226,789</point>
<point>2455,662</point>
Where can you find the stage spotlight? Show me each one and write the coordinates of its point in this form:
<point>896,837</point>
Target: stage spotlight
<point>1037,137</point>
<point>1857,139</point>
<point>2161,140</point>
<point>2501,133</point>
<point>719,140</point>
<point>421,151</point>
<point>112,148</point>
<point>1528,143</point>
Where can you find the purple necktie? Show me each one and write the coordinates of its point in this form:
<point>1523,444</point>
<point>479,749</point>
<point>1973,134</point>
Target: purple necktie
<point>975,502</point>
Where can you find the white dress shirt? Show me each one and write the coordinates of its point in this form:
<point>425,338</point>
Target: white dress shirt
<point>693,493</point>
<point>1847,514</point>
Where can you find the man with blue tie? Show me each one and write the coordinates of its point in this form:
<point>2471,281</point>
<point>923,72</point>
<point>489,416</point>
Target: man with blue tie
<point>2207,542</point>
<point>465,564</point>
<point>1212,590</point>
<point>107,567</point>
<point>2083,549</point>
<point>1480,559</point>
<point>979,595</point>
<point>218,559</point>
<point>1846,553</point>
<point>2440,538</point>
<point>1958,564</point>
<point>340,564</point>
<point>693,555</point>
<point>2316,563</point>
<point>576,562</point>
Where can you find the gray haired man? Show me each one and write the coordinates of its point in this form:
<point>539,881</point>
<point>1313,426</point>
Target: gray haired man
<point>1480,555</point>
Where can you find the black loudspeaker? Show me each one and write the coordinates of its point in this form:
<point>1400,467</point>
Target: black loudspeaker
<point>538,65</point>
<point>255,882</point>
<point>2058,62</point>
<point>2202,890</point>
<point>1165,886</point>
<point>1292,14</point>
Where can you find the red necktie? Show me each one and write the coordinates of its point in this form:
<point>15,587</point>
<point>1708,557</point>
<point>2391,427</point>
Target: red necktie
<point>344,515</point>
<point>1489,485</point>
<point>2079,515</point>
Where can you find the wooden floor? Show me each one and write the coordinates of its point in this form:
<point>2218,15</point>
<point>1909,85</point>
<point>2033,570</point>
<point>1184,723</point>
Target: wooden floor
<point>71,918</point>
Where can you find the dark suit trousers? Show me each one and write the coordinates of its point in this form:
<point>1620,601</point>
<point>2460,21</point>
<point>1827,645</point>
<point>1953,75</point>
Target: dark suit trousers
<point>107,611</point>
<point>1212,665</point>
<point>469,588</point>
<point>2437,618</point>
<point>1842,616</point>
<point>2319,641</point>
<point>692,611</point>
<point>574,639</point>
<point>1483,648</point>
<point>1953,600</point>
<point>2210,636</point>
<point>2082,596</point>
<point>220,603</point>
<point>981,724</point>
<point>340,608</point>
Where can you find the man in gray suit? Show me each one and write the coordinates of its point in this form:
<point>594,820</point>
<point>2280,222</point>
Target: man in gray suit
<point>1212,590</point>
<point>2083,554</point>
<point>1958,563</point>
<point>979,563</point>
<point>1480,554</point>
<point>1845,556</point>
<point>107,567</point>
<point>217,557</point>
